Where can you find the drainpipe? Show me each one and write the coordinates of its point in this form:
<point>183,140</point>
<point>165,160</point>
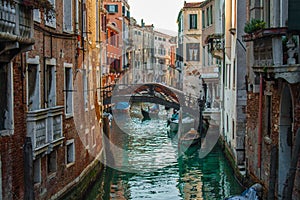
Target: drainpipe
<point>259,143</point>
<point>77,27</point>
<point>76,16</point>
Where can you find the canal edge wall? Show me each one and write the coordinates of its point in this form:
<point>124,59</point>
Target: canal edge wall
<point>79,186</point>
<point>245,180</point>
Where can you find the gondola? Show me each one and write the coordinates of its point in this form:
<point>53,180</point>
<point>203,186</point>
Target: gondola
<point>146,115</point>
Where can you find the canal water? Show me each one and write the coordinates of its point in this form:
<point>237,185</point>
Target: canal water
<point>146,165</point>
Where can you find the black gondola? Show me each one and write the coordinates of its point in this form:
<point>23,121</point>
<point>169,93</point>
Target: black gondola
<point>145,114</point>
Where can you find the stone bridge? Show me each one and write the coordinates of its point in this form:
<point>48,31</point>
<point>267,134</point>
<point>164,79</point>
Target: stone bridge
<point>150,92</point>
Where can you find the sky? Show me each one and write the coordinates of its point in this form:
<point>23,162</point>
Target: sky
<point>161,13</point>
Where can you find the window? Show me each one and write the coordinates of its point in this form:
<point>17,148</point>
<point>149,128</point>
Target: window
<point>227,123</point>
<point>112,8</point>
<point>98,77</point>
<point>52,162</point>
<point>267,12</point>
<point>229,76</point>
<point>225,76</point>
<point>70,151</point>
<point>50,83</point>
<point>87,139</point>
<point>33,87</point>
<point>93,136</point>
<point>192,52</point>
<point>233,74</point>
<point>51,22</point>
<point>193,21</point>
<point>203,56</point>
<point>37,15</point>
<point>85,89</point>
<point>207,16</point>
<point>37,178</point>
<point>211,58</point>
<point>6,100</point>
<point>203,18</point>
<point>68,89</point>
<point>123,10</point>
<point>211,14</point>
<point>128,14</point>
<point>84,18</point>
<point>90,87</point>
<point>67,16</point>
<point>233,129</point>
<point>103,23</point>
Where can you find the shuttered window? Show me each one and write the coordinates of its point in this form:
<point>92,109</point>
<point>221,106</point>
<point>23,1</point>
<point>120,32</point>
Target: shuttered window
<point>112,8</point>
<point>193,21</point>
<point>293,15</point>
<point>6,100</point>
<point>207,17</point>
<point>203,19</point>
<point>37,15</point>
<point>67,15</point>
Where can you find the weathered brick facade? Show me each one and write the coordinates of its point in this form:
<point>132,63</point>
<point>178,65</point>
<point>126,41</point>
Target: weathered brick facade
<point>61,49</point>
<point>271,137</point>
<point>11,146</point>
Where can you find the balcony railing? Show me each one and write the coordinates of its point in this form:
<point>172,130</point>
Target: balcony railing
<point>16,28</point>
<point>278,56</point>
<point>45,128</point>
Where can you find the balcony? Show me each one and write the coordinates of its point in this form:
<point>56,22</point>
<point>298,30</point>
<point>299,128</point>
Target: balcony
<point>263,33</point>
<point>16,29</point>
<point>45,129</point>
<point>275,54</point>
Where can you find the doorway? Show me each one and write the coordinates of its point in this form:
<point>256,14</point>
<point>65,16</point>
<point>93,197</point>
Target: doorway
<point>285,138</point>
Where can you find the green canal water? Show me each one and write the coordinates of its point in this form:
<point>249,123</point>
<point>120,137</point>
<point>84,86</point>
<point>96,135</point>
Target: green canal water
<point>148,167</point>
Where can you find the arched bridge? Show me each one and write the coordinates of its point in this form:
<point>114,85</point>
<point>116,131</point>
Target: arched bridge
<point>150,92</point>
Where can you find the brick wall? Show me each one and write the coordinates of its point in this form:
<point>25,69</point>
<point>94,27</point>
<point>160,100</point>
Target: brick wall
<point>12,146</point>
<point>268,140</point>
<point>62,47</point>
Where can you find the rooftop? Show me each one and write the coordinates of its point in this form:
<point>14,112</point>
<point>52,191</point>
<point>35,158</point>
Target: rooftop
<point>192,4</point>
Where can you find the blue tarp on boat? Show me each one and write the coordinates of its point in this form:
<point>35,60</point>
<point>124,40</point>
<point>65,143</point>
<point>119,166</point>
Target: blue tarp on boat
<point>122,105</point>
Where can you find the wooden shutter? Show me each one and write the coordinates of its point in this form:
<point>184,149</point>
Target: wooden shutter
<point>67,15</point>
<point>294,15</point>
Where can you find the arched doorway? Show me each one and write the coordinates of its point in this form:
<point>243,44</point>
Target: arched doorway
<point>285,138</point>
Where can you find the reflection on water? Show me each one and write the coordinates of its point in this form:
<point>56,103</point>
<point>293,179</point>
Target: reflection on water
<point>147,147</point>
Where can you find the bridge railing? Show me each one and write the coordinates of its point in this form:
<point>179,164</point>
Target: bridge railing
<point>179,99</point>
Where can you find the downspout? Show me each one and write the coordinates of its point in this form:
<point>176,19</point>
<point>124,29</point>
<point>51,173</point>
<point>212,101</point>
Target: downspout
<point>77,17</point>
<point>82,27</point>
<point>77,28</point>
<point>259,143</point>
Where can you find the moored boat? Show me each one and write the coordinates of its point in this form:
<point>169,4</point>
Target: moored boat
<point>121,107</point>
<point>146,115</point>
<point>190,138</point>
<point>187,123</point>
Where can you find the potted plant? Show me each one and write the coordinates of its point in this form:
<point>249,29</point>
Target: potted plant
<point>254,25</point>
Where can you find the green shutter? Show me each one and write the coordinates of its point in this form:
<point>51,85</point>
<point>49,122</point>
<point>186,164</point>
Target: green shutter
<point>116,8</point>
<point>190,21</point>
<point>294,15</point>
<point>211,14</point>
<point>123,10</point>
<point>203,18</point>
<point>196,21</point>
